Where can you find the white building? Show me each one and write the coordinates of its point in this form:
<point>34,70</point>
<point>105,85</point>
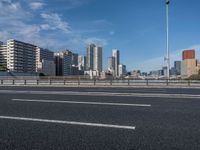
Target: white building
<point>90,57</point>
<point>97,59</point>
<point>82,63</point>
<point>92,74</point>
<point>3,54</point>
<point>122,70</point>
<point>116,55</point>
<point>111,64</point>
<point>94,58</point>
<point>21,57</point>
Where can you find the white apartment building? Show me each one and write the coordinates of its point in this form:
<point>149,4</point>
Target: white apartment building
<point>21,57</point>
<point>3,54</point>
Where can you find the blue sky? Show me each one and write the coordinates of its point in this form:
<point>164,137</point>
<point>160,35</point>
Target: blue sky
<point>135,27</point>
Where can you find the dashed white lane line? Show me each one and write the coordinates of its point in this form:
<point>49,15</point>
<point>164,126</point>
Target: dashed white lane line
<point>69,122</point>
<point>79,102</point>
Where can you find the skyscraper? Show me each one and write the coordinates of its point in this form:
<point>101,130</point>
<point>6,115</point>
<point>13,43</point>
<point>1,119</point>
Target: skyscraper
<point>116,55</point>
<point>97,59</point>
<point>111,64</point>
<point>94,58</point>
<point>67,62</point>
<point>90,57</point>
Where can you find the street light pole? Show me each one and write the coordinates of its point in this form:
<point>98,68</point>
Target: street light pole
<point>167,38</point>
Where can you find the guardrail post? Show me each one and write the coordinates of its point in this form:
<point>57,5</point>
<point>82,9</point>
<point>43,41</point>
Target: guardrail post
<point>167,82</point>
<point>2,82</point>
<point>78,80</point>
<point>37,82</point>
<point>188,82</point>
<point>50,82</point>
<point>147,82</point>
<point>64,82</point>
<point>13,82</point>
<point>110,81</point>
<point>24,82</point>
<point>94,81</point>
<point>128,82</point>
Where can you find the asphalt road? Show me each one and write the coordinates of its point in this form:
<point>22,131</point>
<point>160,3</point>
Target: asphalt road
<point>99,118</point>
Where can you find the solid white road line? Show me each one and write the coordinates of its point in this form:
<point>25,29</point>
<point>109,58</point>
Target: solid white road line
<point>151,95</point>
<point>79,102</point>
<point>69,122</point>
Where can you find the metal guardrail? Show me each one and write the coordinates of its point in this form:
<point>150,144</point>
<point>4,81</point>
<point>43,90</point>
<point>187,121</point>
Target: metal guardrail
<point>95,82</point>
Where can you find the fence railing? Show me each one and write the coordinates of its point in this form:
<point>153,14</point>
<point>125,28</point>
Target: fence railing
<point>95,82</point>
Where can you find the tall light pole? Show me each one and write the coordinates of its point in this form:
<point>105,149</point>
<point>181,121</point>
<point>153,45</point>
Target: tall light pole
<point>167,38</point>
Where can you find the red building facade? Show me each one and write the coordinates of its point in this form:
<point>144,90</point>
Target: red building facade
<point>189,54</point>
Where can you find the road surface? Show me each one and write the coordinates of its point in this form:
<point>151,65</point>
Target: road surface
<point>45,118</point>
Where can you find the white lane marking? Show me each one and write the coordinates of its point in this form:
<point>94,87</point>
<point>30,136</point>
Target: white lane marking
<point>79,102</point>
<point>69,122</point>
<point>159,95</point>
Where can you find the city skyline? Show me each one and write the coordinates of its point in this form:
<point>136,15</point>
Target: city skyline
<point>138,31</point>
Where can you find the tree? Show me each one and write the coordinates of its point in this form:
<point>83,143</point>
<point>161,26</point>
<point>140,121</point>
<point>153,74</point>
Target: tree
<point>41,74</point>
<point>3,67</point>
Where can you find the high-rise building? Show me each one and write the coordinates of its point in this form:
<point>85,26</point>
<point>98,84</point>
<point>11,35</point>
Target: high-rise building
<point>59,64</point>
<point>177,67</point>
<point>75,59</point>
<point>63,61</point>
<point>94,58</point>
<point>116,55</point>
<point>111,64</point>
<point>90,56</point>
<point>82,63</point>
<point>45,61</point>
<point>122,70</point>
<point>21,57</point>
<point>67,63</point>
<point>189,64</point>
<point>97,59</point>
